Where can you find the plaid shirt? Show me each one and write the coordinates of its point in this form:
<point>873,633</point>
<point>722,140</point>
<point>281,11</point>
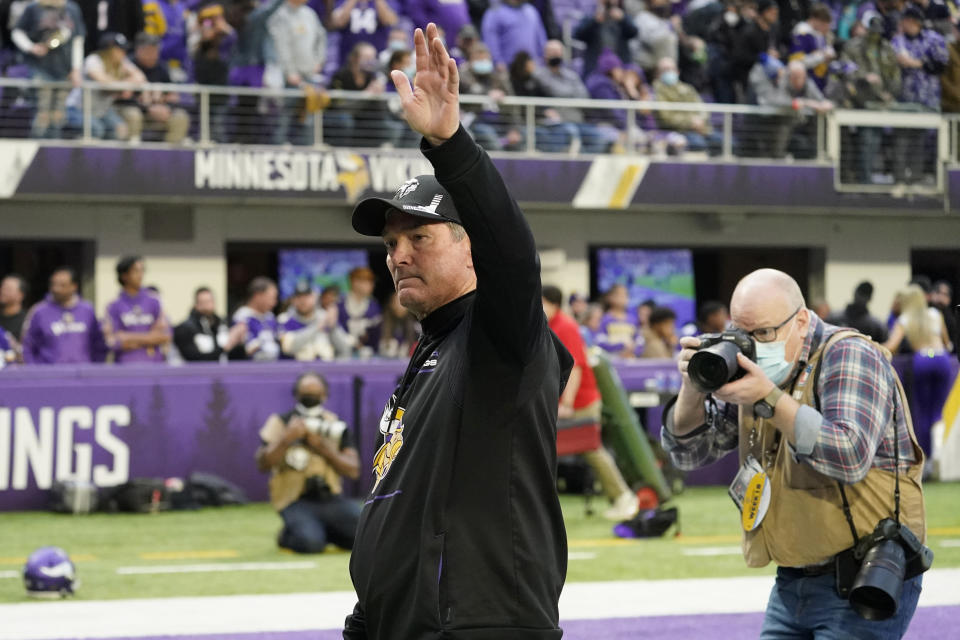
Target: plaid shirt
<point>858,404</point>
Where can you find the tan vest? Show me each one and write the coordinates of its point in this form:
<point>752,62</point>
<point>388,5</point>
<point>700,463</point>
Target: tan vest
<point>286,483</point>
<point>805,523</point>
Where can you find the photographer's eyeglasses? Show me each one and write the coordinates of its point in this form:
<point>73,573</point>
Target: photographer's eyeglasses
<point>769,334</point>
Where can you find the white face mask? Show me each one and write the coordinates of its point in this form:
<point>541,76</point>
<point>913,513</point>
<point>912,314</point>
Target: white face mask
<point>731,18</point>
<point>772,358</point>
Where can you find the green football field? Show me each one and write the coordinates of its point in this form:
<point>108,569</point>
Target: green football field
<point>232,550</point>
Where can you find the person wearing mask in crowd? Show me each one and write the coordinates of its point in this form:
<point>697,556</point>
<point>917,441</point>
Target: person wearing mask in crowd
<point>399,60</point>
<point>660,335</point>
<point>160,108</point>
<point>857,315</point>
<point>204,336</point>
<point>401,331</point>
<point>361,123</point>
<point>811,44</point>
<point>941,298</point>
<point>461,459</point>
<point>309,333</point>
<point>617,333</point>
<point>308,452</point>
<point>63,328</point>
<point>257,314</point>
<point>793,88</point>
<point>872,80</point>
<point>465,39</point>
<point>397,40</point>
<point>713,317</point>
<point>761,36</point>
<point>607,28</point>
<point>725,65</point>
<point>581,399</point>
<point>115,117</point>
<point>360,313</point>
<point>922,55</point>
<point>510,27</point>
<point>694,126</point>
<point>493,126</point>
<point>363,21</point>
<point>135,326</point>
<point>50,35</point>
<point>923,326</point>
<point>819,417</point>
<point>13,290</point>
<point>658,36</point>
<point>300,48</point>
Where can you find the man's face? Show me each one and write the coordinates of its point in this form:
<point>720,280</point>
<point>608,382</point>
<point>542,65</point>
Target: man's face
<point>204,304</point>
<point>549,309</point>
<point>911,27</point>
<point>10,292</point>
<point>305,303</point>
<point>312,387</point>
<point>821,26</point>
<point>428,265</point>
<point>618,298</point>
<point>361,286</point>
<point>717,321</point>
<point>553,49</point>
<point>329,299</point>
<point>770,311</point>
<point>771,15</point>
<point>665,329</point>
<point>265,300</point>
<point>942,295</point>
<point>148,55</point>
<point>798,79</point>
<point>133,278</point>
<point>62,287</point>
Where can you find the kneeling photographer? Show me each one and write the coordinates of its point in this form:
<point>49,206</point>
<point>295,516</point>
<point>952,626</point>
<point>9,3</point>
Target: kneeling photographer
<point>829,484</point>
<point>308,451</point>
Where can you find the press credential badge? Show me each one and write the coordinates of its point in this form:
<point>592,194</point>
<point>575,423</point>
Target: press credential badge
<point>750,490</point>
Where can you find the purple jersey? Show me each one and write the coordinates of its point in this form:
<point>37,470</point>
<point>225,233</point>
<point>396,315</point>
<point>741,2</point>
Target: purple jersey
<point>69,334</point>
<point>364,26</point>
<point>616,334</point>
<point>449,15</point>
<point>7,353</point>
<point>135,314</point>
<point>261,342</point>
<point>362,320</point>
<point>167,19</point>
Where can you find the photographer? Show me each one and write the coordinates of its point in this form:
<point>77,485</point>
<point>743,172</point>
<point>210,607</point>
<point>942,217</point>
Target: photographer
<point>819,420</point>
<point>308,451</point>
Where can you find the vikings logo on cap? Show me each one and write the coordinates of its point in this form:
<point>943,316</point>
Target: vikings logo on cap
<point>406,188</point>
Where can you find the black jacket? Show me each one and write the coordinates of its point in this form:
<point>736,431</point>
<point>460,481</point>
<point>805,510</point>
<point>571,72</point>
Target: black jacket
<point>463,537</point>
<point>185,338</point>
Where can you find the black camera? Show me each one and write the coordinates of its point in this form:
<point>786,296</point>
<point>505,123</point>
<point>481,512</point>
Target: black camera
<point>878,565</point>
<point>715,362</point>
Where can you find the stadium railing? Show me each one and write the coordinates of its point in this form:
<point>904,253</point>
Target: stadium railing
<point>520,125</point>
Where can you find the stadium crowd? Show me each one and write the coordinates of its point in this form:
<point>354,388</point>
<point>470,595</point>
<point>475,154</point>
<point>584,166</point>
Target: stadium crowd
<point>870,54</point>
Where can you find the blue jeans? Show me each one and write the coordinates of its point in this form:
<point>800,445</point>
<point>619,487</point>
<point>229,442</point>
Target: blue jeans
<point>809,607</point>
<point>308,525</point>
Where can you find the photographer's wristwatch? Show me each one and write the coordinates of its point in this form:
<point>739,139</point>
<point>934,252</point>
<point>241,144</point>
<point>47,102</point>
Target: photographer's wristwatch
<point>764,408</point>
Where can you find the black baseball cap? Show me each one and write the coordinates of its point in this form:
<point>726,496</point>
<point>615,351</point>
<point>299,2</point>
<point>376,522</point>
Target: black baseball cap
<point>111,39</point>
<point>422,197</point>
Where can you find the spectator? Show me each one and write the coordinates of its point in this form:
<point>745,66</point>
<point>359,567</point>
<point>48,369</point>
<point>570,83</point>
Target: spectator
<point>359,313</point>
<point>695,126</point>
<point>494,127</point>
<point>330,298</point>
<point>308,452</point>
<point>113,119</point>
<point>361,123</point>
<point>658,36</point>
<point>871,81</point>
<point>300,46</point>
<point>617,332</point>
<point>811,44</point>
<point>857,316</point>
<point>761,35</point>
<point>713,317</point>
<point>581,399</point>
<point>950,80</point>
<point>579,304</point>
<point>791,87</point>
<point>449,15</point>
<point>924,327</point>
<point>607,28</point>
<point>125,17</point>
<point>466,38</point>
<point>13,289</point>
<point>309,333</point>
<point>160,110</point>
<point>888,10</point>
<point>363,21</point>
<point>203,336</point>
<point>633,86</point>
<point>63,328</point>
<point>660,335</point>
<point>590,327</point>
<point>211,43</point>
<point>726,67</point>
<point>135,327</point>
<point>402,135</point>
<point>556,80</point>
<point>50,34</point>
<point>511,27</point>
<point>8,352</point>
<point>397,40</point>
<point>937,15</point>
<point>166,20</point>
<point>401,331</point>
<point>257,314</point>
<point>922,54</point>
<point>604,84</point>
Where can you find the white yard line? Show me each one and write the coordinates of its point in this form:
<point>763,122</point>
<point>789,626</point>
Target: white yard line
<point>213,568</point>
<point>316,611</point>
<point>713,551</point>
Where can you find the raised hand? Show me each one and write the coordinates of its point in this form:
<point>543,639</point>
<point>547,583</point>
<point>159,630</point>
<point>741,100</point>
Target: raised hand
<point>432,105</point>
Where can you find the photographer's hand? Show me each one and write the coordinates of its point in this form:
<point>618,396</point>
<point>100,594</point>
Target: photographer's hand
<point>346,462</point>
<point>688,412</point>
<point>755,386</point>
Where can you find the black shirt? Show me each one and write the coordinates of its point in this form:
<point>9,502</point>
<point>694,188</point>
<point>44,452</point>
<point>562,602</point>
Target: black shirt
<point>197,338</point>
<point>13,324</point>
<point>462,533</point>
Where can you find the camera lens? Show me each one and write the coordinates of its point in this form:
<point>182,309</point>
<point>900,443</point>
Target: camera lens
<point>876,590</point>
<point>713,367</point>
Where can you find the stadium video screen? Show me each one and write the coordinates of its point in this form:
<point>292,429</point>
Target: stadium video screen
<point>320,267</point>
<point>664,275</point>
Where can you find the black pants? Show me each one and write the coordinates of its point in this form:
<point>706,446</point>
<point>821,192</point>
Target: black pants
<point>309,524</point>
